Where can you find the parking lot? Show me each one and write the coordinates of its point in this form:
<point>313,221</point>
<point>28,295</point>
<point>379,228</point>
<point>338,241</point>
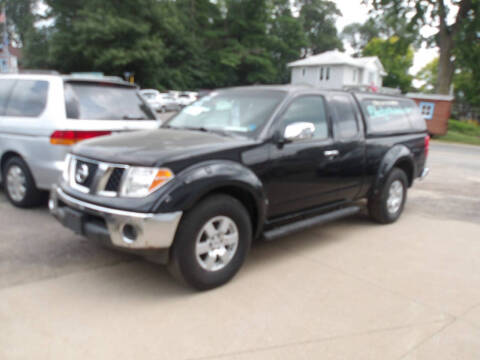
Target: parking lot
<point>347,290</point>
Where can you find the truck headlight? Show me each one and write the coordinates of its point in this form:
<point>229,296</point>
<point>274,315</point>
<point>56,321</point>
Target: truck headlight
<point>142,181</point>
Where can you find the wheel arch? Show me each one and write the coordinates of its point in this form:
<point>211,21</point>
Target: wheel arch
<point>398,156</point>
<point>7,155</point>
<point>217,177</point>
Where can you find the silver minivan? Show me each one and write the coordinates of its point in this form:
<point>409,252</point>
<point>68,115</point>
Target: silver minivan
<point>42,116</point>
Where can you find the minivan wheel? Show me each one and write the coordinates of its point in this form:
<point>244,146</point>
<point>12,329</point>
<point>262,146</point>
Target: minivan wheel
<point>211,243</point>
<point>387,205</point>
<point>19,185</point>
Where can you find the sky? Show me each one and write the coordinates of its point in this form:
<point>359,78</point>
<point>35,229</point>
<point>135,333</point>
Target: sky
<point>355,11</point>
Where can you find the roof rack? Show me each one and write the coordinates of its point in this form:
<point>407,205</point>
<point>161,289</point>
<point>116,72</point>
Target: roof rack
<point>373,90</point>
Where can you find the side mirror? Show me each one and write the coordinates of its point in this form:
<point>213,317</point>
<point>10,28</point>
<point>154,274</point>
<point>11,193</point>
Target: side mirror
<point>299,131</point>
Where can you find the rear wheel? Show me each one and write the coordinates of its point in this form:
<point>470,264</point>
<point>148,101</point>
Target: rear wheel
<point>212,242</point>
<point>387,205</point>
<point>19,184</point>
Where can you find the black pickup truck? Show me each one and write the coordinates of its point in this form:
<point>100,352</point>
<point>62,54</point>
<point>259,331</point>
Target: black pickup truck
<point>241,164</point>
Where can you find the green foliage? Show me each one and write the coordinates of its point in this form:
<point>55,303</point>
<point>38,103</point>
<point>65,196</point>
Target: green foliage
<point>359,35</point>
<point>462,132</point>
<point>20,18</point>
<point>396,57</point>
<point>452,30</point>
<point>318,18</point>
<point>463,127</point>
<point>180,44</point>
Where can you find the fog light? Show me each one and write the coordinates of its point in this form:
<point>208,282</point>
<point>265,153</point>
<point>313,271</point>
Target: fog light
<point>129,233</point>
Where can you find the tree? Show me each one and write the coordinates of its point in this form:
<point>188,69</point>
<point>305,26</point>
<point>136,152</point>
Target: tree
<point>359,35</point>
<point>20,18</point>
<point>433,13</point>
<point>396,57</point>
<point>287,38</point>
<point>318,19</point>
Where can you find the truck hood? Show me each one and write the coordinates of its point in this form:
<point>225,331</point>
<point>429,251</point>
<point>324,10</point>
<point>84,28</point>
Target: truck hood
<point>156,147</point>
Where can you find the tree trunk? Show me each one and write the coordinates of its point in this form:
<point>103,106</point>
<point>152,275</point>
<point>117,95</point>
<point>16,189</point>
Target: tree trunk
<point>446,43</point>
<point>446,66</point>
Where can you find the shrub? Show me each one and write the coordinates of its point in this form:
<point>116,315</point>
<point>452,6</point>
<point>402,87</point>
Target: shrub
<point>467,128</point>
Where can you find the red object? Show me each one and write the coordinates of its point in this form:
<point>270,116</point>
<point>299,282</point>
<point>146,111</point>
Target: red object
<point>70,137</point>
<point>427,144</point>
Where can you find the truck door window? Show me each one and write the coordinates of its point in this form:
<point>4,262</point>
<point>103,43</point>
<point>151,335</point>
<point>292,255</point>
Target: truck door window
<point>345,124</point>
<point>28,98</point>
<point>307,109</point>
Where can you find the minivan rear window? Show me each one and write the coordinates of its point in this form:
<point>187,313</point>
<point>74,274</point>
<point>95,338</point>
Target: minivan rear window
<point>100,101</point>
<point>5,90</point>
<point>392,116</point>
<point>27,99</point>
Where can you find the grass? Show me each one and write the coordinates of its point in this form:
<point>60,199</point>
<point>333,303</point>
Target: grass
<point>462,132</point>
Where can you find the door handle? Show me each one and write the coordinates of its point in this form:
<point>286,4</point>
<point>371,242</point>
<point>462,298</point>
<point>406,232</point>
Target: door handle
<point>331,153</point>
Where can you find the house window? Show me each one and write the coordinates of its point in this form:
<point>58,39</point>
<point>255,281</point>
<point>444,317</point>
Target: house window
<point>427,108</point>
<point>355,76</point>
<point>328,74</point>
<point>321,73</point>
<point>303,72</point>
<point>371,78</point>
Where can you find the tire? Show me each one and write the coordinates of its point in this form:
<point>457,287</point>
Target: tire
<point>25,196</point>
<point>201,271</point>
<point>379,208</point>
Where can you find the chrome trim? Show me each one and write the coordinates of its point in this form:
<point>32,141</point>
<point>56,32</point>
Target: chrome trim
<point>100,181</point>
<point>84,205</point>
<point>424,174</point>
<point>155,231</point>
<point>331,153</point>
<point>72,181</point>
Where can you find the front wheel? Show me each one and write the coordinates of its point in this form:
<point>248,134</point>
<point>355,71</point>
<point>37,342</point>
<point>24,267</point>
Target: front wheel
<point>387,205</point>
<point>211,243</point>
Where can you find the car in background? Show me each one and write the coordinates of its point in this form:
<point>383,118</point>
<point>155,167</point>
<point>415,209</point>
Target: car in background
<point>186,98</point>
<point>161,102</point>
<point>42,116</point>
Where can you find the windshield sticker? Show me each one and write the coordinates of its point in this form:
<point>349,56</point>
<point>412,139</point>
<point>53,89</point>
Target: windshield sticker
<point>195,110</point>
<point>237,128</point>
<point>223,105</point>
<point>381,109</point>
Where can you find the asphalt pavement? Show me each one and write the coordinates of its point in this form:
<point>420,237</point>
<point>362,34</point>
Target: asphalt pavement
<point>347,290</point>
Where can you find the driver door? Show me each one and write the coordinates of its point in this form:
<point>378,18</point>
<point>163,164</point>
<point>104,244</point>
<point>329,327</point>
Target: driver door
<point>302,172</point>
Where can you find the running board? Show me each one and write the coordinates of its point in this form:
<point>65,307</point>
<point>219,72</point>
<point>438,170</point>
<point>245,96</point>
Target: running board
<point>300,225</point>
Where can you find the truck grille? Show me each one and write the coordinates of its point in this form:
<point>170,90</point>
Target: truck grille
<point>115,180</point>
<point>95,177</point>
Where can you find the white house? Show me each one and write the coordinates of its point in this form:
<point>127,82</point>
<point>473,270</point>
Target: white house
<point>336,70</point>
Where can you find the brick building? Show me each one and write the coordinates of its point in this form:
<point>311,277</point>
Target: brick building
<point>436,110</point>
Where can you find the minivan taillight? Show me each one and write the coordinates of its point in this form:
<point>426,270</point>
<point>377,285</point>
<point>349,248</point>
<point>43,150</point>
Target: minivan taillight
<point>70,137</point>
<point>427,144</point>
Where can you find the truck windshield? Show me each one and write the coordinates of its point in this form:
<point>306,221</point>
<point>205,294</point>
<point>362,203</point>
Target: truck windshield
<point>105,101</point>
<point>239,111</point>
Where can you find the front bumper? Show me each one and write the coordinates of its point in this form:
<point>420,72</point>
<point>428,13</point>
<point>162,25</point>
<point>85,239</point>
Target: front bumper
<point>121,229</point>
